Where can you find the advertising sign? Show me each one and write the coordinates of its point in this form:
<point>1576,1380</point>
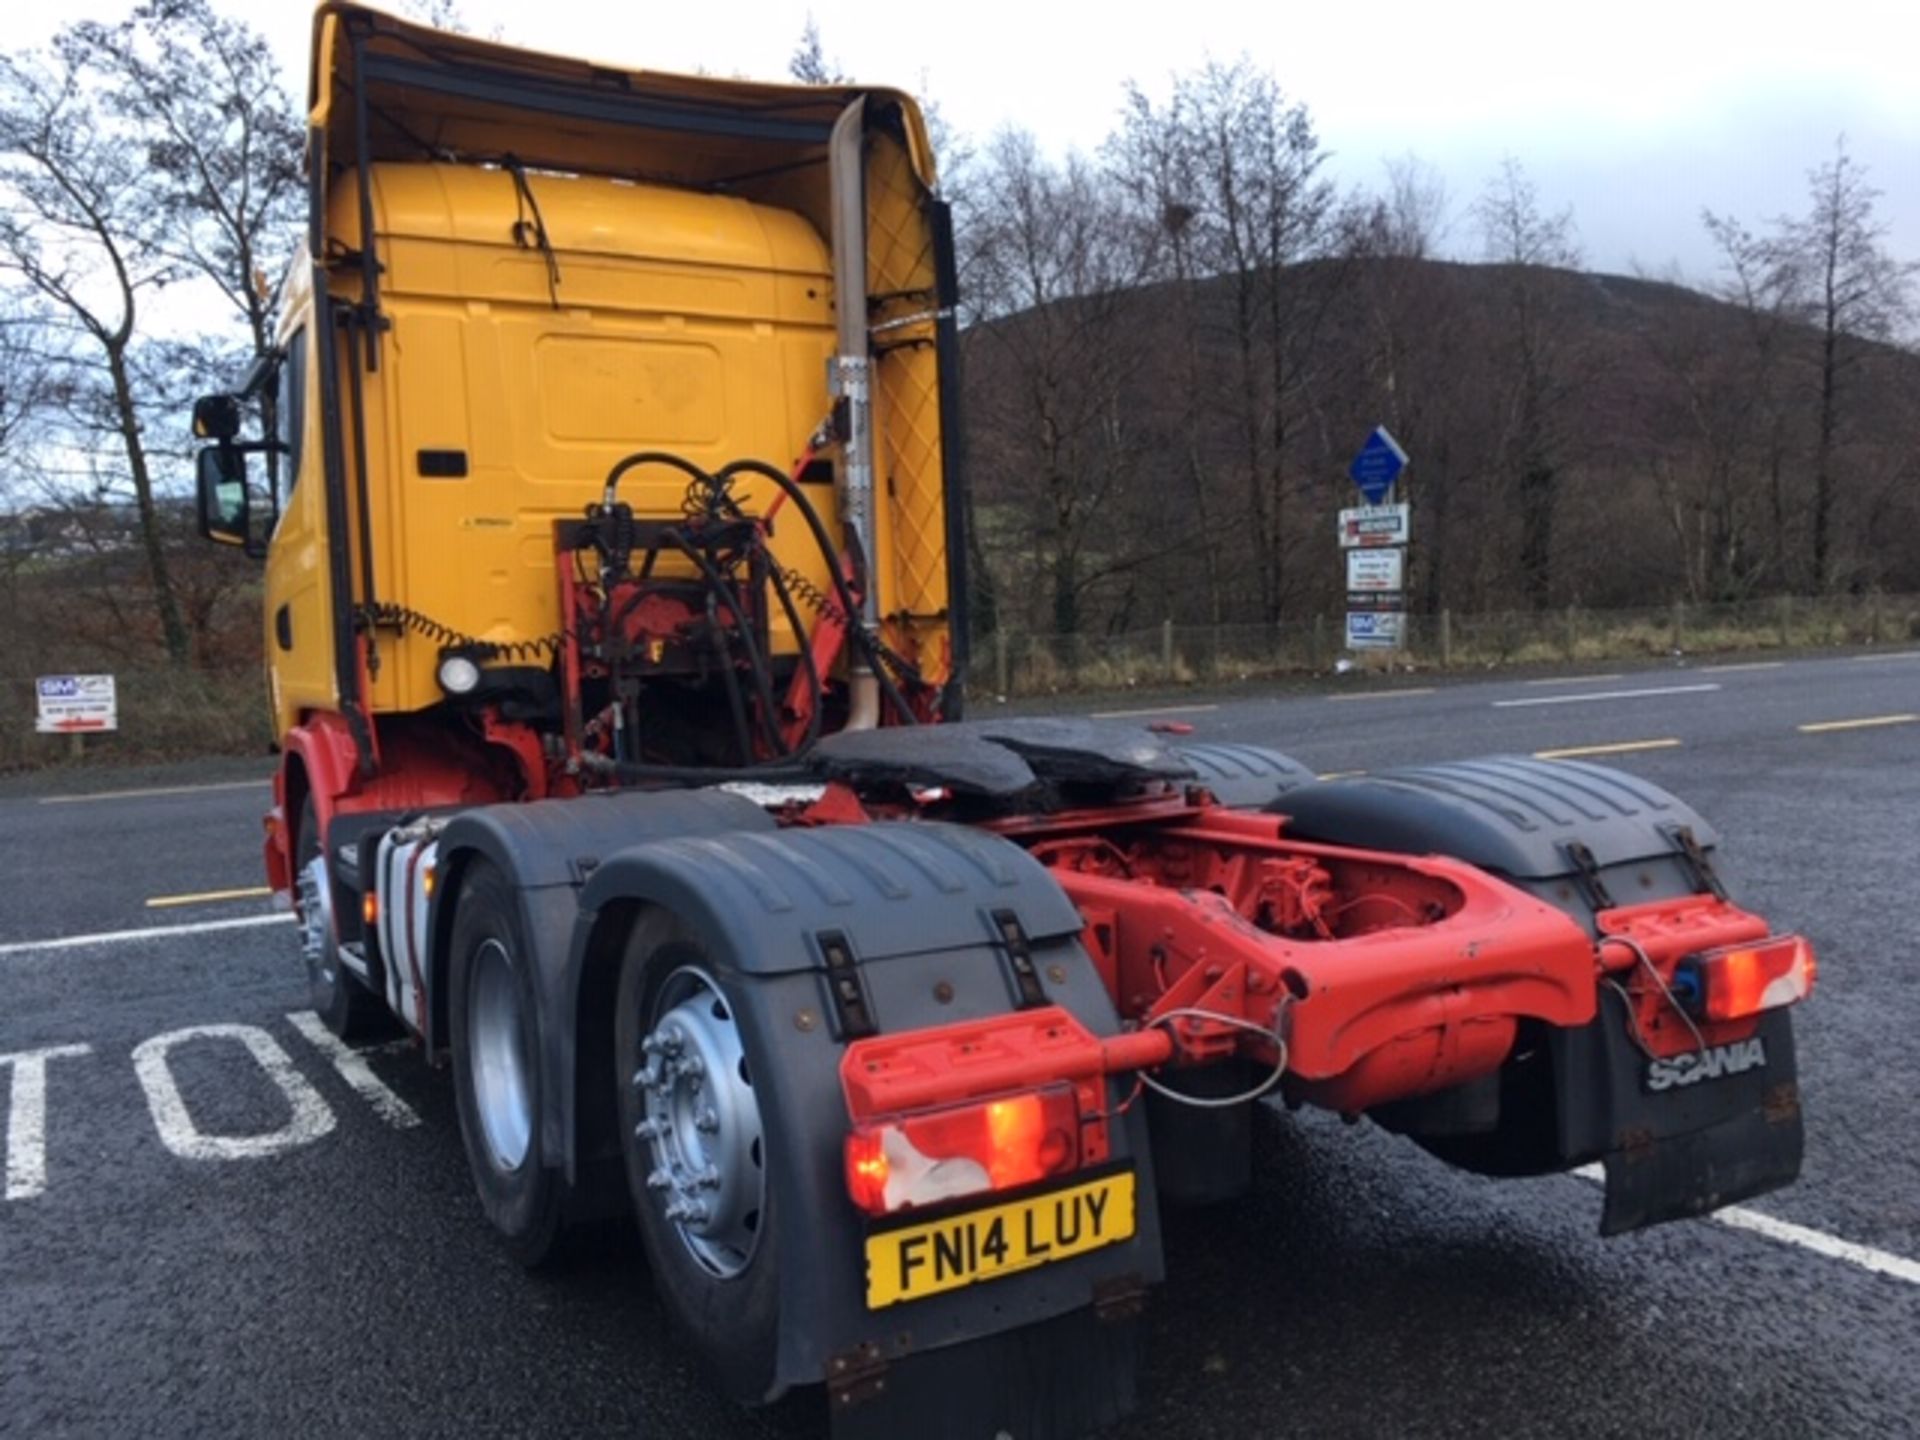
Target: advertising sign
<point>1376,569</point>
<point>71,704</point>
<point>1376,629</point>
<point>1369,525</point>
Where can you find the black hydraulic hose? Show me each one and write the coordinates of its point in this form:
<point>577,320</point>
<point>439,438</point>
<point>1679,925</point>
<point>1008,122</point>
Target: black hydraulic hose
<point>654,457</point>
<point>736,702</point>
<point>827,551</point>
<point>756,665</point>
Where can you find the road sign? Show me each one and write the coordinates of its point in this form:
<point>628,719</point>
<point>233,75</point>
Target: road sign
<point>1377,568</point>
<point>74,704</point>
<point>1368,525</point>
<point>1376,629</point>
<point>1378,465</point>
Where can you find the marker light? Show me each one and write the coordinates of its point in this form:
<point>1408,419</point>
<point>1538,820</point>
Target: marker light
<point>936,1155</point>
<point>1745,980</point>
<point>458,674</point>
<point>370,909</point>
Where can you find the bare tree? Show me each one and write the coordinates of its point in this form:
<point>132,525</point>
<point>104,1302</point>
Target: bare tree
<point>1526,241</point>
<point>1054,270</point>
<point>74,200</point>
<point>1834,262</point>
<point>809,64</point>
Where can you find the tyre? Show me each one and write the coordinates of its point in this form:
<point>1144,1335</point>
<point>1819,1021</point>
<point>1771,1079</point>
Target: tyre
<point>349,1008</point>
<point>494,1030</point>
<point>696,1156</point>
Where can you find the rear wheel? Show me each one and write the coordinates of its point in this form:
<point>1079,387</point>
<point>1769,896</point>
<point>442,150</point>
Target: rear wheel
<point>349,1008</point>
<point>696,1154</point>
<point>494,1025</point>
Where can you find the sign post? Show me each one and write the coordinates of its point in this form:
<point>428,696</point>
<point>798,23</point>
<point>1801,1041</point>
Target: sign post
<point>75,705</point>
<point>1374,539</point>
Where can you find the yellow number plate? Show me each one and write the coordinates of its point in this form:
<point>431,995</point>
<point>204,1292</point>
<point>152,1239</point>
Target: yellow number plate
<point>921,1260</point>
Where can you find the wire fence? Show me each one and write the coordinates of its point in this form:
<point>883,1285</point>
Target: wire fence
<point>1014,663</point>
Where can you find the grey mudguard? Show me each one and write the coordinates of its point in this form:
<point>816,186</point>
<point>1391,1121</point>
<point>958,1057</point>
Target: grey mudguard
<point>1244,777</point>
<point>1508,813</point>
<point>914,902</point>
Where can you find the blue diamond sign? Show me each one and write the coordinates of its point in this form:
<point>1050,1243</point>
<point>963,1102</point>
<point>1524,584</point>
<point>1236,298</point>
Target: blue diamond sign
<point>1378,465</point>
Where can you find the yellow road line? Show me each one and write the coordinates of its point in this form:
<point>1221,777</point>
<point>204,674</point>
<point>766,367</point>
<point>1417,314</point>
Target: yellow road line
<point>1741,665</point>
<point>1868,723</point>
<point>1152,710</point>
<point>1623,747</point>
<point>1892,655</point>
<point>1571,679</point>
<point>1383,694</point>
<point>208,897</point>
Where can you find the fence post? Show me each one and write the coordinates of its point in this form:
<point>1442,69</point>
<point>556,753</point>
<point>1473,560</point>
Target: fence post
<point>1166,649</point>
<point>1002,685</point>
<point>1783,619</point>
<point>1317,656</point>
<point>76,745</point>
<point>1573,632</point>
<point>1679,626</point>
<point>1446,639</point>
<point>1873,615</point>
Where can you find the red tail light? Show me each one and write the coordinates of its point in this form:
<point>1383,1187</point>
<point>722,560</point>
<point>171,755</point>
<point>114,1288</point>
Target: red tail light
<point>1744,980</point>
<point>934,1155</point>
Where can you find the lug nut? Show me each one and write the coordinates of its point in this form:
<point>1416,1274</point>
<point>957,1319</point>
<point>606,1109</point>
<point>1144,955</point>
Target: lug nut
<point>693,1065</point>
<point>710,1178</point>
<point>645,1130</point>
<point>659,1180</point>
<point>709,1122</point>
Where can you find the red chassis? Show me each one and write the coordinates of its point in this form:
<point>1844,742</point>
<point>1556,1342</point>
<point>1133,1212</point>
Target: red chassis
<point>1357,977</point>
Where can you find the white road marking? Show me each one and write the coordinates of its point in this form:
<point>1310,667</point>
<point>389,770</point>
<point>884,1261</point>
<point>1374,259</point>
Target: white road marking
<point>27,1118</point>
<point>1623,747</point>
<point>1605,695</point>
<point>1741,665</point>
<point>152,932</point>
<point>1572,679</point>
<point>156,790</point>
<point>1895,655</point>
<point>353,1068</point>
<point>1871,722</point>
<point>310,1117</point>
<point>1152,710</point>
<point>1339,774</point>
<point>1738,1217</point>
<point>1383,694</point>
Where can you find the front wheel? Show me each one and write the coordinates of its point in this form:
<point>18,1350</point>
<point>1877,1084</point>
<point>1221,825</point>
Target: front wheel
<point>349,1008</point>
<point>696,1154</point>
<point>494,1024</point>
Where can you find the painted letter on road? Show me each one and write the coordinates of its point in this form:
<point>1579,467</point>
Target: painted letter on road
<point>27,1118</point>
<point>310,1118</point>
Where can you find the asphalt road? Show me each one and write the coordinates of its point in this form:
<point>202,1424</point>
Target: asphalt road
<point>300,1251</point>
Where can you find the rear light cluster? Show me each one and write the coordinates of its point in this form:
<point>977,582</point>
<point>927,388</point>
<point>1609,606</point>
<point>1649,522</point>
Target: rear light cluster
<point>919,1159</point>
<point>1741,981</point>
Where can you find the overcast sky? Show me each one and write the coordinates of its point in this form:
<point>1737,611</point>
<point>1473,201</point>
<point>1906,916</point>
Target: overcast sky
<point>1634,114</point>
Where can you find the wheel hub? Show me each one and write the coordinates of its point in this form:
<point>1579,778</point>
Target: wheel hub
<point>316,924</point>
<point>702,1124</point>
<point>501,1068</point>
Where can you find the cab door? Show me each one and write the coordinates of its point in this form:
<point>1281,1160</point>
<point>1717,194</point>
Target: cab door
<point>299,638</point>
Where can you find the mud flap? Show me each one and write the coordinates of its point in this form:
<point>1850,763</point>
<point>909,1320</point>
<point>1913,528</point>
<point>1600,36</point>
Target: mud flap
<point>1681,1138</point>
<point>1071,1375</point>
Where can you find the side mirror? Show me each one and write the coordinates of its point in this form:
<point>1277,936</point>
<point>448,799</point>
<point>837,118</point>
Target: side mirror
<point>216,417</point>
<point>225,511</point>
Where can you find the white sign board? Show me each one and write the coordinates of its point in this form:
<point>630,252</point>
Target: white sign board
<point>1370,525</point>
<point>1376,569</point>
<point>71,704</point>
<point>1376,629</point>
